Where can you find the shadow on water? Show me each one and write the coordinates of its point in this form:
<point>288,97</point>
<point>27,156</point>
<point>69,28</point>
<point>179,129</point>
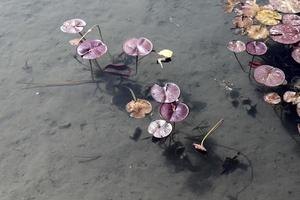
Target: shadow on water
<point>279,56</point>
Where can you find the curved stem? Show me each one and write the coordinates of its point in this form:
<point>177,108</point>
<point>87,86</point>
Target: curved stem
<point>136,64</point>
<point>132,93</point>
<point>237,59</point>
<point>82,36</point>
<point>212,130</point>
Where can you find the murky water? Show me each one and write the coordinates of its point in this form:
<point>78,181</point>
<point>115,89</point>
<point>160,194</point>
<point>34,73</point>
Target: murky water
<point>78,142</point>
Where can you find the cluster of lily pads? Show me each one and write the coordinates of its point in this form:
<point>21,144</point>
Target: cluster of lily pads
<point>276,24</point>
<point>92,49</point>
<point>171,109</point>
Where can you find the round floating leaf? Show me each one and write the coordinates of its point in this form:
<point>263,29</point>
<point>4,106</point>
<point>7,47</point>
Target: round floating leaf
<point>291,19</point>
<point>296,55</point>
<point>174,112</point>
<point>139,108</point>
<point>272,98</point>
<point>256,48</point>
<point>138,47</point>
<point>286,6</point>
<point>257,32</point>
<point>160,128</point>
<point>285,34</point>
<point>169,93</point>
<point>91,49</point>
<point>73,26</point>
<point>236,46</point>
<point>269,76</point>
<point>268,17</point>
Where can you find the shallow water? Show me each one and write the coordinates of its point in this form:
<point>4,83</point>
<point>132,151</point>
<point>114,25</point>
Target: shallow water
<point>77,142</point>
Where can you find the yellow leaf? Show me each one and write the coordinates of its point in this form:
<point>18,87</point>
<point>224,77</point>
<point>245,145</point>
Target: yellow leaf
<point>166,53</point>
<point>268,17</point>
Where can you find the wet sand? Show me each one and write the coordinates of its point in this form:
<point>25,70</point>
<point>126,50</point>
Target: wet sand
<point>75,142</point>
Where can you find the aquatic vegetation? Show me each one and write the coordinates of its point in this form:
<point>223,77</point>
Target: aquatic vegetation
<point>73,26</point>
<point>200,146</point>
<point>237,46</point>
<point>169,93</point>
<point>174,112</point>
<point>271,26</point>
<point>286,6</point>
<point>138,108</point>
<point>272,98</point>
<point>256,48</point>
<point>91,49</point>
<point>166,55</point>
<point>137,47</point>
<point>160,128</point>
<point>269,76</point>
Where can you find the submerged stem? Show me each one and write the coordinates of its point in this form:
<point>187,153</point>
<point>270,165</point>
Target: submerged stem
<point>136,64</point>
<point>212,130</point>
<point>132,93</point>
<point>237,59</point>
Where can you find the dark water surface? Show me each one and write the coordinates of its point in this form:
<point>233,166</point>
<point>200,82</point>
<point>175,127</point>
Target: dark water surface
<point>78,142</point>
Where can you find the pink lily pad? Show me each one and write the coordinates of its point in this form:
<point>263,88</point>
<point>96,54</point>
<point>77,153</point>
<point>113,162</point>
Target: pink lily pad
<point>236,46</point>
<point>138,47</point>
<point>73,26</point>
<point>286,6</point>
<point>167,94</point>
<point>91,49</point>
<point>256,48</point>
<point>296,55</point>
<point>285,34</point>
<point>269,76</point>
<point>291,19</point>
<point>160,128</point>
<point>174,112</point>
<point>117,69</point>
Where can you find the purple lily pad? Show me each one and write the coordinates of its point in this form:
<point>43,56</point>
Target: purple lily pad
<point>236,46</point>
<point>117,69</point>
<point>256,48</point>
<point>167,94</point>
<point>285,34</point>
<point>269,76</point>
<point>291,19</point>
<point>91,49</point>
<point>73,26</point>
<point>296,55</point>
<point>138,46</point>
<point>174,112</point>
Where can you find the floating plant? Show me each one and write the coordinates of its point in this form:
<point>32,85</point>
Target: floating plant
<point>285,34</point>
<point>137,47</point>
<point>269,76</point>
<point>174,112</point>
<point>201,145</point>
<point>166,55</point>
<point>169,93</point>
<point>138,108</point>
<point>237,46</point>
<point>286,6</point>
<point>73,26</point>
<point>272,98</point>
<point>91,50</point>
<point>160,128</point>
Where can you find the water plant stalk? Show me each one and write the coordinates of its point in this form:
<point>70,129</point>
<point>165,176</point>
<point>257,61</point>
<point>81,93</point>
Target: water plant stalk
<point>237,59</point>
<point>132,93</point>
<point>219,123</point>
